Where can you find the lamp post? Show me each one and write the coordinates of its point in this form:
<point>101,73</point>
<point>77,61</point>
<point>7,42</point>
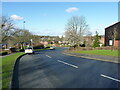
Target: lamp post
<point>31,43</point>
<point>24,25</point>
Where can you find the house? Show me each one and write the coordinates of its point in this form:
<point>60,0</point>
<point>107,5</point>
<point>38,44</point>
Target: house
<point>90,39</point>
<point>112,35</point>
<point>102,39</point>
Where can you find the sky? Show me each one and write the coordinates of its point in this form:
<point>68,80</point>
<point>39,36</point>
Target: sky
<point>50,18</point>
<point>59,0</point>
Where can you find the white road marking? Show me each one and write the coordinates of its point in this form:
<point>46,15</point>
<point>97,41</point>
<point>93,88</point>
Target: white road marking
<point>68,64</point>
<point>48,56</point>
<point>110,78</point>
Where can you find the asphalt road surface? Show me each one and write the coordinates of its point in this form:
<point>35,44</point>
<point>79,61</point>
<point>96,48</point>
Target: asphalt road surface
<point>52,69</point>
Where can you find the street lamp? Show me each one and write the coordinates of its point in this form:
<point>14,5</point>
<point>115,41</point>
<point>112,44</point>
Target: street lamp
<point>31,44</point>
<point>24,25</point>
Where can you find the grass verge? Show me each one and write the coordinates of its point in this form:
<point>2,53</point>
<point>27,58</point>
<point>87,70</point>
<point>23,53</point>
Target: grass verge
<point>100,52</point>
<point>7,67</point>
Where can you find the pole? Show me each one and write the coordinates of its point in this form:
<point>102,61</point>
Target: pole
<point>31,42</point>
<point>24,25</point>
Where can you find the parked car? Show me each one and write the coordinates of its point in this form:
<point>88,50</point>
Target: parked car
<point>47,47</point>
<point>29,50</point>
<point>52,48</point>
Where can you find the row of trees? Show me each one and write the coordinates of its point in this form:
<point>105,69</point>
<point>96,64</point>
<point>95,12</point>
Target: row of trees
<point>13,35</point>
<point>75,29</point>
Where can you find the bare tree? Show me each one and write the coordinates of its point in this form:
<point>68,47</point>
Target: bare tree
<point>75,29</point>
<point>115,35</point>
<point>6,28</point>
<point>22,36</point>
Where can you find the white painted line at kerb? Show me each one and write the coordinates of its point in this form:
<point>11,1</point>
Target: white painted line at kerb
<point>110,77</point>
<point>67,64</point>
<point>48,56</point>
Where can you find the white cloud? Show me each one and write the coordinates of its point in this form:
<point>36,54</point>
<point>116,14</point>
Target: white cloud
<point>72,9</point>
<point>15,17</point>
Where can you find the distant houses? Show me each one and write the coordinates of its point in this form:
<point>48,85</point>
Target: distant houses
<point>112,35</point>
<point>90,39</point>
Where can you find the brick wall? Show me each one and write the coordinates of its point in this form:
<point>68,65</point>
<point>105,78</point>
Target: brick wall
<point>110,33</point>
<point>117,43</point>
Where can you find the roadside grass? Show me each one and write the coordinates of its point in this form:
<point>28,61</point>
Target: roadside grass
<point>7,67</point>
<point>100,52</point>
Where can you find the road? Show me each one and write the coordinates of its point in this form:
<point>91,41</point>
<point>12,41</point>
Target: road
<point>52,69</point>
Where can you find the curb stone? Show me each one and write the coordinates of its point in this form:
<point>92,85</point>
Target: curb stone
<point>11,85</point>
<point>105,60</point>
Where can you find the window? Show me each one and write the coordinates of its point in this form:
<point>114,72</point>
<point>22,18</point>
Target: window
<point>110,42</point>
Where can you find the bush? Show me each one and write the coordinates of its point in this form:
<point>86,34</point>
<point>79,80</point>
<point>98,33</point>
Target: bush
<point>47,47</point>
<point>13,49</point>
<point>96,41</point>
<point>82,45</point>
<point>5,52</point>
<point>21,50</point>
<point>38,47</point>
<point>103,45</point>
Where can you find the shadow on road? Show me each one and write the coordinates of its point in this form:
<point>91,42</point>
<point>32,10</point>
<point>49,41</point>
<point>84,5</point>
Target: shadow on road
<point>15,80</point>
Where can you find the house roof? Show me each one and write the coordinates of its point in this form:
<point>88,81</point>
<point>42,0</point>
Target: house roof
<point>112,24</point>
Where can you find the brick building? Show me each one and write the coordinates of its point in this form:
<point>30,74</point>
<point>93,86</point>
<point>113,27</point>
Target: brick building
<point>112,35</point>
<point>102,39</point>
<point>90,39</point>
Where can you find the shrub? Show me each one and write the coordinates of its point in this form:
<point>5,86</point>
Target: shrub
<point>13,49</point>
<point>5,52</point>
<point>21,50</point>
<point>38,47</point>
<point>96,40</point>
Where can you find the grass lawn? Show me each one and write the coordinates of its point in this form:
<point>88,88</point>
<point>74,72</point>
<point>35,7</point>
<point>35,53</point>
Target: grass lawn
<point>7,66</point>
<point>100,52</point>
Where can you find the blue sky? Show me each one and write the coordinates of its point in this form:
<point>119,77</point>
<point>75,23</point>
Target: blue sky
<point>49,18</point>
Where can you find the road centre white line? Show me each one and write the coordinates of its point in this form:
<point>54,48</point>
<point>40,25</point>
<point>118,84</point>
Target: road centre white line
<point>48,56</point>
<point>68,64</point>
<point>110,77</point>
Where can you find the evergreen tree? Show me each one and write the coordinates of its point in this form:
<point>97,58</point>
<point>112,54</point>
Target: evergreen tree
<point>96,40</point>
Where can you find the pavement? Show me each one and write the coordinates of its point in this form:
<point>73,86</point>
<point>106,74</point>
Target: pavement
<point>53,69</point>
<point>95,57</point>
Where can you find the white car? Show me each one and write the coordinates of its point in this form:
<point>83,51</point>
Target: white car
<point>29,50</point>
<point>52,48</point>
